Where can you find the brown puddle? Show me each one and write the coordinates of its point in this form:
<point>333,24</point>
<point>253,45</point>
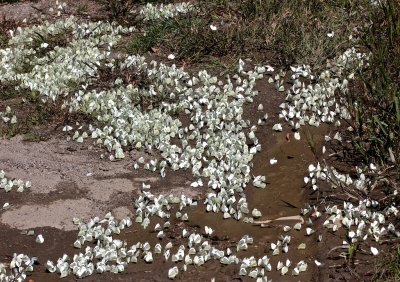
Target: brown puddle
<point>282,186</point>
<point>285,184</point>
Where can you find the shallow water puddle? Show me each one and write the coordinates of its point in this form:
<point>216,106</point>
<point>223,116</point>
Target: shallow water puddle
<point>284,194</point>
<point>285,184</point>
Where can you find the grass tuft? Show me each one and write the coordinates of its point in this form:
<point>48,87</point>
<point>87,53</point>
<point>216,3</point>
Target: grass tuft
<point>377,109</point>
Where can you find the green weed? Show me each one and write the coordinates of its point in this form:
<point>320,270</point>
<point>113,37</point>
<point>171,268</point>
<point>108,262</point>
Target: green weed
<point>352,252</point>
<point>311,142</point>
<point>141,43</point>
<point>30,111</point>
<point>376,109</point>
<point>35,137</point>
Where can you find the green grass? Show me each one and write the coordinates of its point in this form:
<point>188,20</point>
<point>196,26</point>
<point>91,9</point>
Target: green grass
<point>292,31</point>
<point>35,137</point>
<point>376,108</point>
<point>31,112</point>
<point>5,25</point>
<point>389,268</point>
<point>311,142</point>
<point>3,41</point>
<point>39,115</point>
<point>142,43</point>
<point>352,252</point>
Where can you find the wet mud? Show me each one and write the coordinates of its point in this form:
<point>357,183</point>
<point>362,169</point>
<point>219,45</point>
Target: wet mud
<point>70,180</point>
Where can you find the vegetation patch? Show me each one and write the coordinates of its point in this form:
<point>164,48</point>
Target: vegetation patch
<point>306,32</point>
<point>376,106</point>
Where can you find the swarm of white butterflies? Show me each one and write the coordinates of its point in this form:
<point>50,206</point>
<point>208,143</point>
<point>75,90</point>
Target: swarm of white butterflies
<point>8,184</point>
<point>53,73</point>
<point>161,12</point>
<point>17,269</point>
<point>7,116</point>
<point>105,253</point>
<point>318,102</point>
<point>215,108</point>
<point>221,153</point>
<point>362,221</point>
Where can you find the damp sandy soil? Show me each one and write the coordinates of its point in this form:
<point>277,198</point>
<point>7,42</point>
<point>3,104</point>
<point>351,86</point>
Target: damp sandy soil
<point>70,180</point>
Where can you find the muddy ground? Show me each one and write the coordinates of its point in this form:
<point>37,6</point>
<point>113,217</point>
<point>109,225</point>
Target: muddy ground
<point>70,179</point>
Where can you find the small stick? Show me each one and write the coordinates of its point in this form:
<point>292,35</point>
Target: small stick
<point>293,217</point>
